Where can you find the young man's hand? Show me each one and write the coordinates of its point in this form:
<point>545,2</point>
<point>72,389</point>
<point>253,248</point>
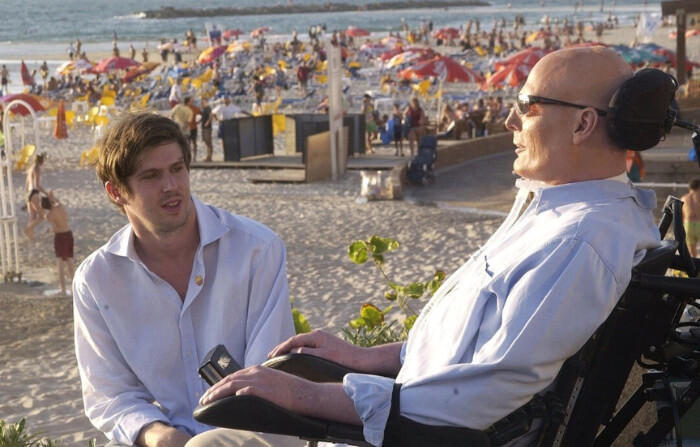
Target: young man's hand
<point>158,434</point>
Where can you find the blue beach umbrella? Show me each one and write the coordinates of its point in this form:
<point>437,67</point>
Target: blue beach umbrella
<point>637,55</point>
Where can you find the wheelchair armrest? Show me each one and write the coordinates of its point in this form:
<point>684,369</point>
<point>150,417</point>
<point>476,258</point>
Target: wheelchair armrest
<point>310,367</point>
<point>255,414</point>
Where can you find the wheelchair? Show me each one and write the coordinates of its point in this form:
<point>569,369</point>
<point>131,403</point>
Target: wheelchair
<point>646,327</point>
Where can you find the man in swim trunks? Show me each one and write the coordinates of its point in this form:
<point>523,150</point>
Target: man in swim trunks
<point>63,238</point>
<point>691,216</point>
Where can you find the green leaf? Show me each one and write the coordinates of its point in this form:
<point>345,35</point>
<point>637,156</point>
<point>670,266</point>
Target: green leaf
<point>409,322</point>
<point>358,252</point>
<point>301,325</point>
<point>415,290</point>
<point>371,314</point>
<point>380,245</point>
<point>390,295</point>
<point>358,323</point>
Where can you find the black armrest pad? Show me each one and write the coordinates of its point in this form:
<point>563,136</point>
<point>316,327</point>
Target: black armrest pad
<point>310,367</point>
<point>255,414</point>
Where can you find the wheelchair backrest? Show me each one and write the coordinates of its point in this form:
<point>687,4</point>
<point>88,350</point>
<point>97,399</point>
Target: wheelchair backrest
<point>590,383</point>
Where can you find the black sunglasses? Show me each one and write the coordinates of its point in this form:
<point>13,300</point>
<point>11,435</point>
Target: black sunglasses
<point>525,101</point>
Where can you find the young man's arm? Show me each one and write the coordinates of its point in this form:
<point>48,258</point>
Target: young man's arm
<point>160,434</point>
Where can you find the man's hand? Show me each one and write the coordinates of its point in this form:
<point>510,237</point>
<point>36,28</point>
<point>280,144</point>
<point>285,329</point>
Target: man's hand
<point>324,400</point>
<point>158,434</point>
<point>382,359</point>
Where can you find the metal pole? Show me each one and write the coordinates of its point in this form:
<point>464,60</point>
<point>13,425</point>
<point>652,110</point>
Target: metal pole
<point>680,46</point>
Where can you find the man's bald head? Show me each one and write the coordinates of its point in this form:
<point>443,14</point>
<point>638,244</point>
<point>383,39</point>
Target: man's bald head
<point>561,137</point>
<point>586,75</point>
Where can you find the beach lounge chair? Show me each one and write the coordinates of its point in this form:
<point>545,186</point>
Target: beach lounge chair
<point>645,325</point>
<point>88,157</point>
<point>23,156</point>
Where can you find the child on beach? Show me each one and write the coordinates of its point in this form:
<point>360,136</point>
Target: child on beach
<point>397,116</point>
<point>63,238</point>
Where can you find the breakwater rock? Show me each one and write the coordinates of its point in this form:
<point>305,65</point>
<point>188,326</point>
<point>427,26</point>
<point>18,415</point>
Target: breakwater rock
<point>169,12</point>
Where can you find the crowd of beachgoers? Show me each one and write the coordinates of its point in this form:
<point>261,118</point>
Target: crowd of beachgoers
<point>286,76</point>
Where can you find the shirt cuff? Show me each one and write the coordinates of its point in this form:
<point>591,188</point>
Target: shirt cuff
<point>371,396</point>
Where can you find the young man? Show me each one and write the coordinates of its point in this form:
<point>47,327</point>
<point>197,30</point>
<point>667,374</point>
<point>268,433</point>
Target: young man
<point>691,216</point>
<point>63,237</point>
<point>499,329</point>
<point>222,112</point>
<point>180,278</point>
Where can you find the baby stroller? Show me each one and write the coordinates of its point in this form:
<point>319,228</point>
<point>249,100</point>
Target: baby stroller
<point>421,168</point>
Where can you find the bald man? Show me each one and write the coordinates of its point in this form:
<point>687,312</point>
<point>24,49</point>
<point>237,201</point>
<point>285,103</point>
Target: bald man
<point>499,329</point>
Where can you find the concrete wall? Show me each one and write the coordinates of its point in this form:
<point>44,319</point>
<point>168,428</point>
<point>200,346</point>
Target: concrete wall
<point>451,152</point>
<point>458,151</point>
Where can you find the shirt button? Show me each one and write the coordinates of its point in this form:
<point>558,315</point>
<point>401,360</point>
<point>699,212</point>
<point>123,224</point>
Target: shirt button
<point>197,394</point>
<point>198,280</point>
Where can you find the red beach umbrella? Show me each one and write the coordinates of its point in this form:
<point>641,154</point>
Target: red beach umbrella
<point>528,56</point>
<point>60,131</point>
<point>447,33</point>
<point>356,31</point>
<point>444,68</point>
<point>24,72</point>
<point>36,102</point>
<point>113,63</point>
<point>229,33</point>
<point>134,72</point>
<point>512,75</point>
<point>211,53</point>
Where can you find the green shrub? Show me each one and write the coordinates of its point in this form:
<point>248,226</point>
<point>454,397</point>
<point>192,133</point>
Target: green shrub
<point>15,436</point>
<point>370,328</point>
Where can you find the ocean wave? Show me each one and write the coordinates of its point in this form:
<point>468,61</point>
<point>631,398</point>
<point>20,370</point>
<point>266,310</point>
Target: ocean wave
<point>138,15</point>
<point>170,12</point>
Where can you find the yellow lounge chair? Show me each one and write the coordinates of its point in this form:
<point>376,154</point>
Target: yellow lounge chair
<point>23,156</point>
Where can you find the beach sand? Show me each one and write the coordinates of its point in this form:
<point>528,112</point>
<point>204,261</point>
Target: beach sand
<point>39,378</point>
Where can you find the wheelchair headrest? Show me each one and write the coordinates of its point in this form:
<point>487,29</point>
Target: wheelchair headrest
<point>639,112</point>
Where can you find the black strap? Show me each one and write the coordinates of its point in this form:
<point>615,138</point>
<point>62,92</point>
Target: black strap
<point>392,432</point>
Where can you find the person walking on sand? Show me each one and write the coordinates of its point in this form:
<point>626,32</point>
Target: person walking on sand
<point>182,114</point>
<point>397,116</point>
<point>33,188</point>
<point>415,117</point>
<point>691,216</point>
<point>196,111</point>
<point>206,128</point>
<point>4,79</point>
<point>62,240</point>
<point>175,96</point>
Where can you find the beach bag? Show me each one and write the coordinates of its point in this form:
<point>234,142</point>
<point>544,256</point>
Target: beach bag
<point>376,185</point>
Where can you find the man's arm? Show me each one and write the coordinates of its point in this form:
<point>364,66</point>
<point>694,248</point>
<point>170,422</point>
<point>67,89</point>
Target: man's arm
<point>321,400</point>
<point>269,316</point>
<point>115,400</point>
<point>383,359</point>
<point>158,434</point>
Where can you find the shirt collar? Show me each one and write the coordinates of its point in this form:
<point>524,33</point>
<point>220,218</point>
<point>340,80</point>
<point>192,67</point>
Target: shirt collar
<point>593,190</point>
<point>210,229</point>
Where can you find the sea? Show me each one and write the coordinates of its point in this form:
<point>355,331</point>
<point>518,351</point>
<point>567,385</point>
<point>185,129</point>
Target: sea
<point>33,28</point>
